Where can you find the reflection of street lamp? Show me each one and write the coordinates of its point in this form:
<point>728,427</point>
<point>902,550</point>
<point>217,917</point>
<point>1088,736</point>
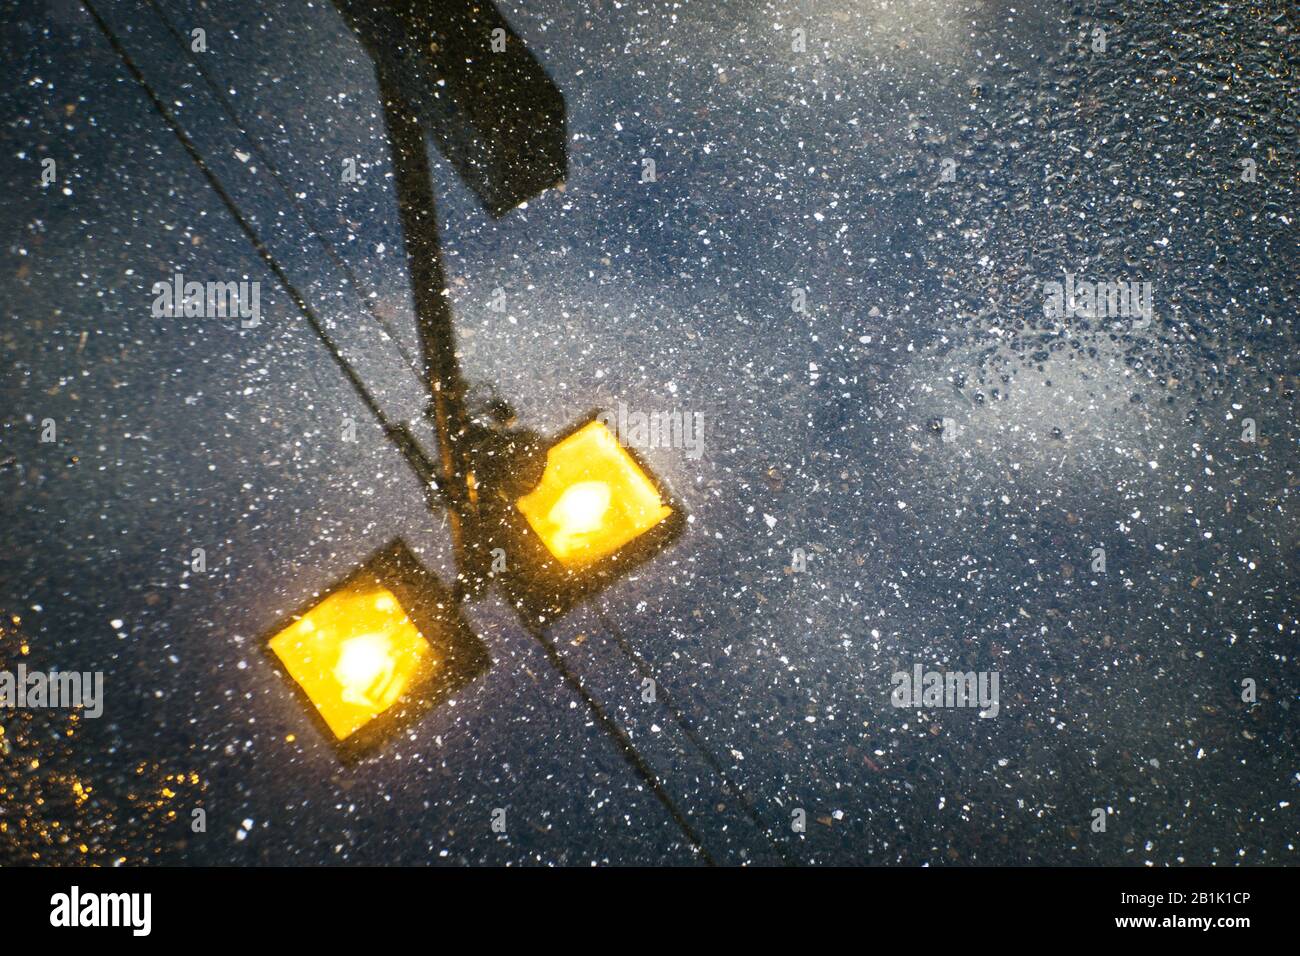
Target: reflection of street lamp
<point>593,498</point>
<point>389,641</point>
<point>455,69</point>
<point>572,514</point>
<point>378,649</point>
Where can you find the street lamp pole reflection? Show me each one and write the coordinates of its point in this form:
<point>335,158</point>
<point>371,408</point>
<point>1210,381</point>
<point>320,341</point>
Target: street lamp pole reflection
<point>455,71</point>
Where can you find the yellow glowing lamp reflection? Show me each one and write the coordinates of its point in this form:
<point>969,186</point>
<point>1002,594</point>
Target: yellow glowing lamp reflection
<point>354,654</point>
<point>592,499</point>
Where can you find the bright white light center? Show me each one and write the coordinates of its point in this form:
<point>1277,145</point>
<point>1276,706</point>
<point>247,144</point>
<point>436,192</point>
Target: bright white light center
<point>581,509</point>
<point>364,669</point>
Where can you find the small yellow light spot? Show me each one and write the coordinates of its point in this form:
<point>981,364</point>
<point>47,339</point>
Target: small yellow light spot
<point>592,499</point>
<point>354,654</point>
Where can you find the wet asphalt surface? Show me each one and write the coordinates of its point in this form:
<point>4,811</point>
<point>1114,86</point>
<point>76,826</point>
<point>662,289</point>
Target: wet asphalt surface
<point>945,456</point>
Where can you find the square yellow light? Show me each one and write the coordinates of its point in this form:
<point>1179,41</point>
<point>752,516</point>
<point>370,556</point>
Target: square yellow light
<point>355,654</point>
<point>593,498</point>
